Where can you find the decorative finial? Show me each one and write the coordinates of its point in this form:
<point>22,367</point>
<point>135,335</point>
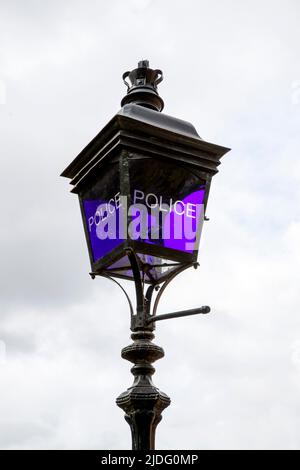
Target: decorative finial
<point>142,89</point>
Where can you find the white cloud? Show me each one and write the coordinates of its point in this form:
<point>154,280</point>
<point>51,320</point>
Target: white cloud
<point>233,376</point>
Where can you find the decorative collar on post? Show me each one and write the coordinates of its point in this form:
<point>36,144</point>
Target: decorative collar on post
<point>142,89</point>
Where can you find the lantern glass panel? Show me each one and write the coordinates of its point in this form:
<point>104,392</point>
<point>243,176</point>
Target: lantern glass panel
<point>172,198</point>
<point>156,268</point>
<point>160,220</point>
<point>100,206</point>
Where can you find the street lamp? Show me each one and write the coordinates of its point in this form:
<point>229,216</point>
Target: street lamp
<point>143,184</point>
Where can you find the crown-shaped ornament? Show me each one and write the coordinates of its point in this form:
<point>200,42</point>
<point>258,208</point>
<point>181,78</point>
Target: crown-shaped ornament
<point>142,87</point>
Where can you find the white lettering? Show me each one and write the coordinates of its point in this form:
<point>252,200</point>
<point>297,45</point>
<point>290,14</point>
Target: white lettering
<point>91,221</point>
<point>175,207</point>
<point>111,207</point>
<point>191,210</point>
<point>136,195</point>
<point>118,200</point>
<point>147,200</point>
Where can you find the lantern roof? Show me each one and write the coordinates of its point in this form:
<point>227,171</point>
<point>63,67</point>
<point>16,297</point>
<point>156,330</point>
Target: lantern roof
<point>137,128</point>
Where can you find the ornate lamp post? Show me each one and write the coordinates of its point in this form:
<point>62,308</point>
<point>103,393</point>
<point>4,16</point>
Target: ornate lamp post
<point>143,184</point>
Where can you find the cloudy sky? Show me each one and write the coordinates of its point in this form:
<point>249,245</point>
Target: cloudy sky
<point>232,69</point>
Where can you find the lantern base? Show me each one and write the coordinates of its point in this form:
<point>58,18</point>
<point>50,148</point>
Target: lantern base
<point>143,403</point>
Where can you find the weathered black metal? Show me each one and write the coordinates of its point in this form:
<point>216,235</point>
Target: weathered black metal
<point>143,403</point>
<point>182,313</point>
<point>143,87</point>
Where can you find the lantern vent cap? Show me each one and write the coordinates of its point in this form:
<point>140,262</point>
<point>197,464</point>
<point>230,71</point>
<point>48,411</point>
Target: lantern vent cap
<point>142,87</point>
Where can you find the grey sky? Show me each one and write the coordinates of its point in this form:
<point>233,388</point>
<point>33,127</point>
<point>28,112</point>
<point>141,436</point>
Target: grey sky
<point>232,69</point>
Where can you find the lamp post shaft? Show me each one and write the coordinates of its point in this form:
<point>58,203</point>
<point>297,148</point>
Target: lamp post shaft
<point>143,403</point>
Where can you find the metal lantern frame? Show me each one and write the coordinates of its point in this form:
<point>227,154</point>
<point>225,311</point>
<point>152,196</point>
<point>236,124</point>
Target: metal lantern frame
<point>140,133</point>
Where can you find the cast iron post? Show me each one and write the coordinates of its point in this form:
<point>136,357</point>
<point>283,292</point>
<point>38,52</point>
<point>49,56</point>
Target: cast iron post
<point>142,403</point>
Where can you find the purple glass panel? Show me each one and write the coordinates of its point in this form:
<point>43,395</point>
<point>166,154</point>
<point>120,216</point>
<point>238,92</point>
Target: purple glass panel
<point>176,225</point>
<point>97,214</point>
<point>189,223</point>
<point>166,210</point>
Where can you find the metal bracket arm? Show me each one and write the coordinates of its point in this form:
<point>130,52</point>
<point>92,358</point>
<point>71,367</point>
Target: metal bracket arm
<point>182,313</point>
